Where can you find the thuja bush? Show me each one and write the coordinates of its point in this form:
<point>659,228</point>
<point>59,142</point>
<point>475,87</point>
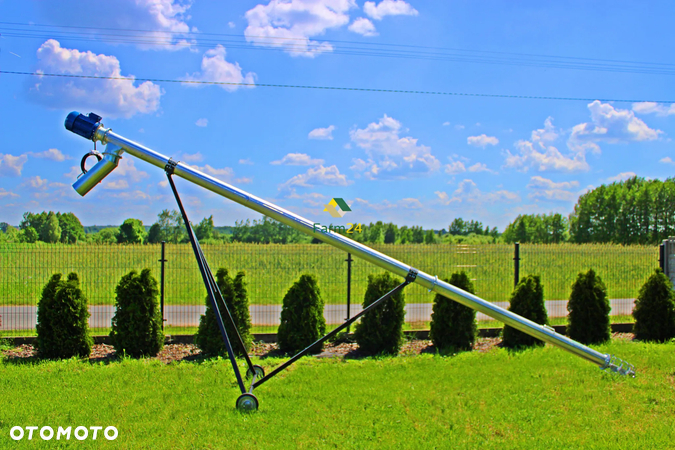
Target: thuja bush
<point>302,320</point>
<point>588,319</point>
<point>453,325</point>
<point>381,330</point>
<point>654,309</point>
<point>209,338</point>
<point>527,300</point>
<point>137,323</point>
<point>63,328</point>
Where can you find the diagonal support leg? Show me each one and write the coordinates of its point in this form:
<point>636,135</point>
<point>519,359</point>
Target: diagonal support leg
<point>409,279</point>
<point>211,287</point>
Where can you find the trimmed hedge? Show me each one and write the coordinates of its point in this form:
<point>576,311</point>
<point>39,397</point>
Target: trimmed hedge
<point>588,319</point>
<point>453,325</point>
<point>137,323</point>
<point>63,328</point>
<point>654,309</point>
<point>302,320</point>
<point>381,330</point>
<point>209,338</point>
<point>527,300</point>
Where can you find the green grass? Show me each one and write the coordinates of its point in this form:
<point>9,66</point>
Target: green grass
<point>271,269</point>
<point>537,399</point>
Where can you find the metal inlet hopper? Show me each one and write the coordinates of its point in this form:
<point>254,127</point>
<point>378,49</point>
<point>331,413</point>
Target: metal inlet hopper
<point>90,127</point>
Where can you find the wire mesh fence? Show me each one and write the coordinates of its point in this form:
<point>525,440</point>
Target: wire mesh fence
<point>272,269</point>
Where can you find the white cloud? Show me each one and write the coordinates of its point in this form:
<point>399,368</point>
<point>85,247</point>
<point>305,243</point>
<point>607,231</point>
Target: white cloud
<point>468,192</point>
<point>389,155</point>
<point>610,125</point>
<point>202,122</point>
<point>404,203</point>
<point>445,124</point>
<point>459,127</point>
<point>550,190</point>
<point>225,174</point>
<point>167,18</point>
<point>388,8</point>
<point>111,98</point>
<point>52,154</point>
<point>621,177</point>
<point>667,160</point>
<point>310,198</point>
<point>192,157</point>
<point>454,167</point>
<point>482,140</point>
<point>246,161</point>
<point>127,170</point>
<point>290,24</point>
<point>216,68</point>
<point>298,159</point>
<point>480,167</point>
<point>363,26</point>
<point>36,182</point>
<point>116,185</point>
<point>231,24</point>
<point>322,133</point>
<point>537,153</point>
<point>6,193</point>
<point>11,166</point>
<point>328,176</point>
<point>654,108</point>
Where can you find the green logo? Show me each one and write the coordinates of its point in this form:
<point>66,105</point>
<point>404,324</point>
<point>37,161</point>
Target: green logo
<point>337,207</point>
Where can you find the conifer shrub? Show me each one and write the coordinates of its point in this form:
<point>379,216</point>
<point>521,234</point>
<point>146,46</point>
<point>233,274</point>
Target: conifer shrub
<point>63,328</point>
<point>380,331</point>
<point>453,325</point>
<point>588,319</point>
<point>527,300</point>
<point>654,309</point>
<point>209,338</point>
<point>302,320</point>
<point>137,323</point>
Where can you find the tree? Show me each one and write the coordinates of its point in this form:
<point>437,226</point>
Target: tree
<point>168,228</point>
<point>430,237</point>
<point>72,230</point>
<point>390,234</point>
<point>654,309</point>
<point>63,329</point>
<point>131,231</point>
<point>28,235</point>
<point>106,236</point>
<point>51,231</point>
<point>588,319</point>
<point>381,330</point>
<point>458,227</point>
<point>302,321</point>
<point>137,323</point>
<point>156,234</point>
<point>453,325</point>
<point>209,338</point>
<point>205,229</point>
<point>527,300</point>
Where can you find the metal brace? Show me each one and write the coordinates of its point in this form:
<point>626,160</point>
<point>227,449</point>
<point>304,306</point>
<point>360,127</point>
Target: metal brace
<point>412,274</point>
<point>433,285</point>
<point>170,166</point>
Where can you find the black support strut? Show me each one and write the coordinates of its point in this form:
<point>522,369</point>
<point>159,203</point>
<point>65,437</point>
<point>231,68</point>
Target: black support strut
<point>215,296</point>
<point>412,274</point>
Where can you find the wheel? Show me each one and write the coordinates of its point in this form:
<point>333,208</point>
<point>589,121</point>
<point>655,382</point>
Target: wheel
<point>259,371</point>
<point>247,403</point>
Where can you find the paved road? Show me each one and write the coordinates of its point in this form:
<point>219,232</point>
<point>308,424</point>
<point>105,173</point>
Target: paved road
<point>24,317</point>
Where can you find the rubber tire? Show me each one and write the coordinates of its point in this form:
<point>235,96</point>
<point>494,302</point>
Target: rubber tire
<point>247,403</point>
<point>258,370</point>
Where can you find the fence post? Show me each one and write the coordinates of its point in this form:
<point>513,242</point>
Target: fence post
<point>161,284</point>
<point>662,256</point>
<point>516,264</point>
<point>349,285</point>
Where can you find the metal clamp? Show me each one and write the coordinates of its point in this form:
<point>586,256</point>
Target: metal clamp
<point>433,285</point>
<point>619,366</point>
<point>170,166</point>
<point>412,274</point>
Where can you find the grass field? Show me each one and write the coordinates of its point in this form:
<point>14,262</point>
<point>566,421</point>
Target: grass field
<point>271,269</point>
<point>537,399</point>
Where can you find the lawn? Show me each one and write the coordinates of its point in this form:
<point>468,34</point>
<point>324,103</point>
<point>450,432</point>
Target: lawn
<point>536,399</point>
<point>271,269</point>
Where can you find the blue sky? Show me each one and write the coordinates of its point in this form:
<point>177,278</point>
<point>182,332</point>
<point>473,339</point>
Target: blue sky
<point>413,159</point>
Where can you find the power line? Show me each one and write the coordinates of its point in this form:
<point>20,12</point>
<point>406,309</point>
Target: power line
<point>352,48</point>
<point>335,88</point>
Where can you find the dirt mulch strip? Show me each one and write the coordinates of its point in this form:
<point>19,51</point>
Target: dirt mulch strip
<point>189,352</point>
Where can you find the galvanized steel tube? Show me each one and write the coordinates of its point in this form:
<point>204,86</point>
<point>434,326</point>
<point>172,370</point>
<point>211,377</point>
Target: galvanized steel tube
<point>430,282</point>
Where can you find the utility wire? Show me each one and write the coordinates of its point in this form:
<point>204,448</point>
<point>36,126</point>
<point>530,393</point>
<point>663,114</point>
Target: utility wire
<point>335,88</point>
<point>354,48</point>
